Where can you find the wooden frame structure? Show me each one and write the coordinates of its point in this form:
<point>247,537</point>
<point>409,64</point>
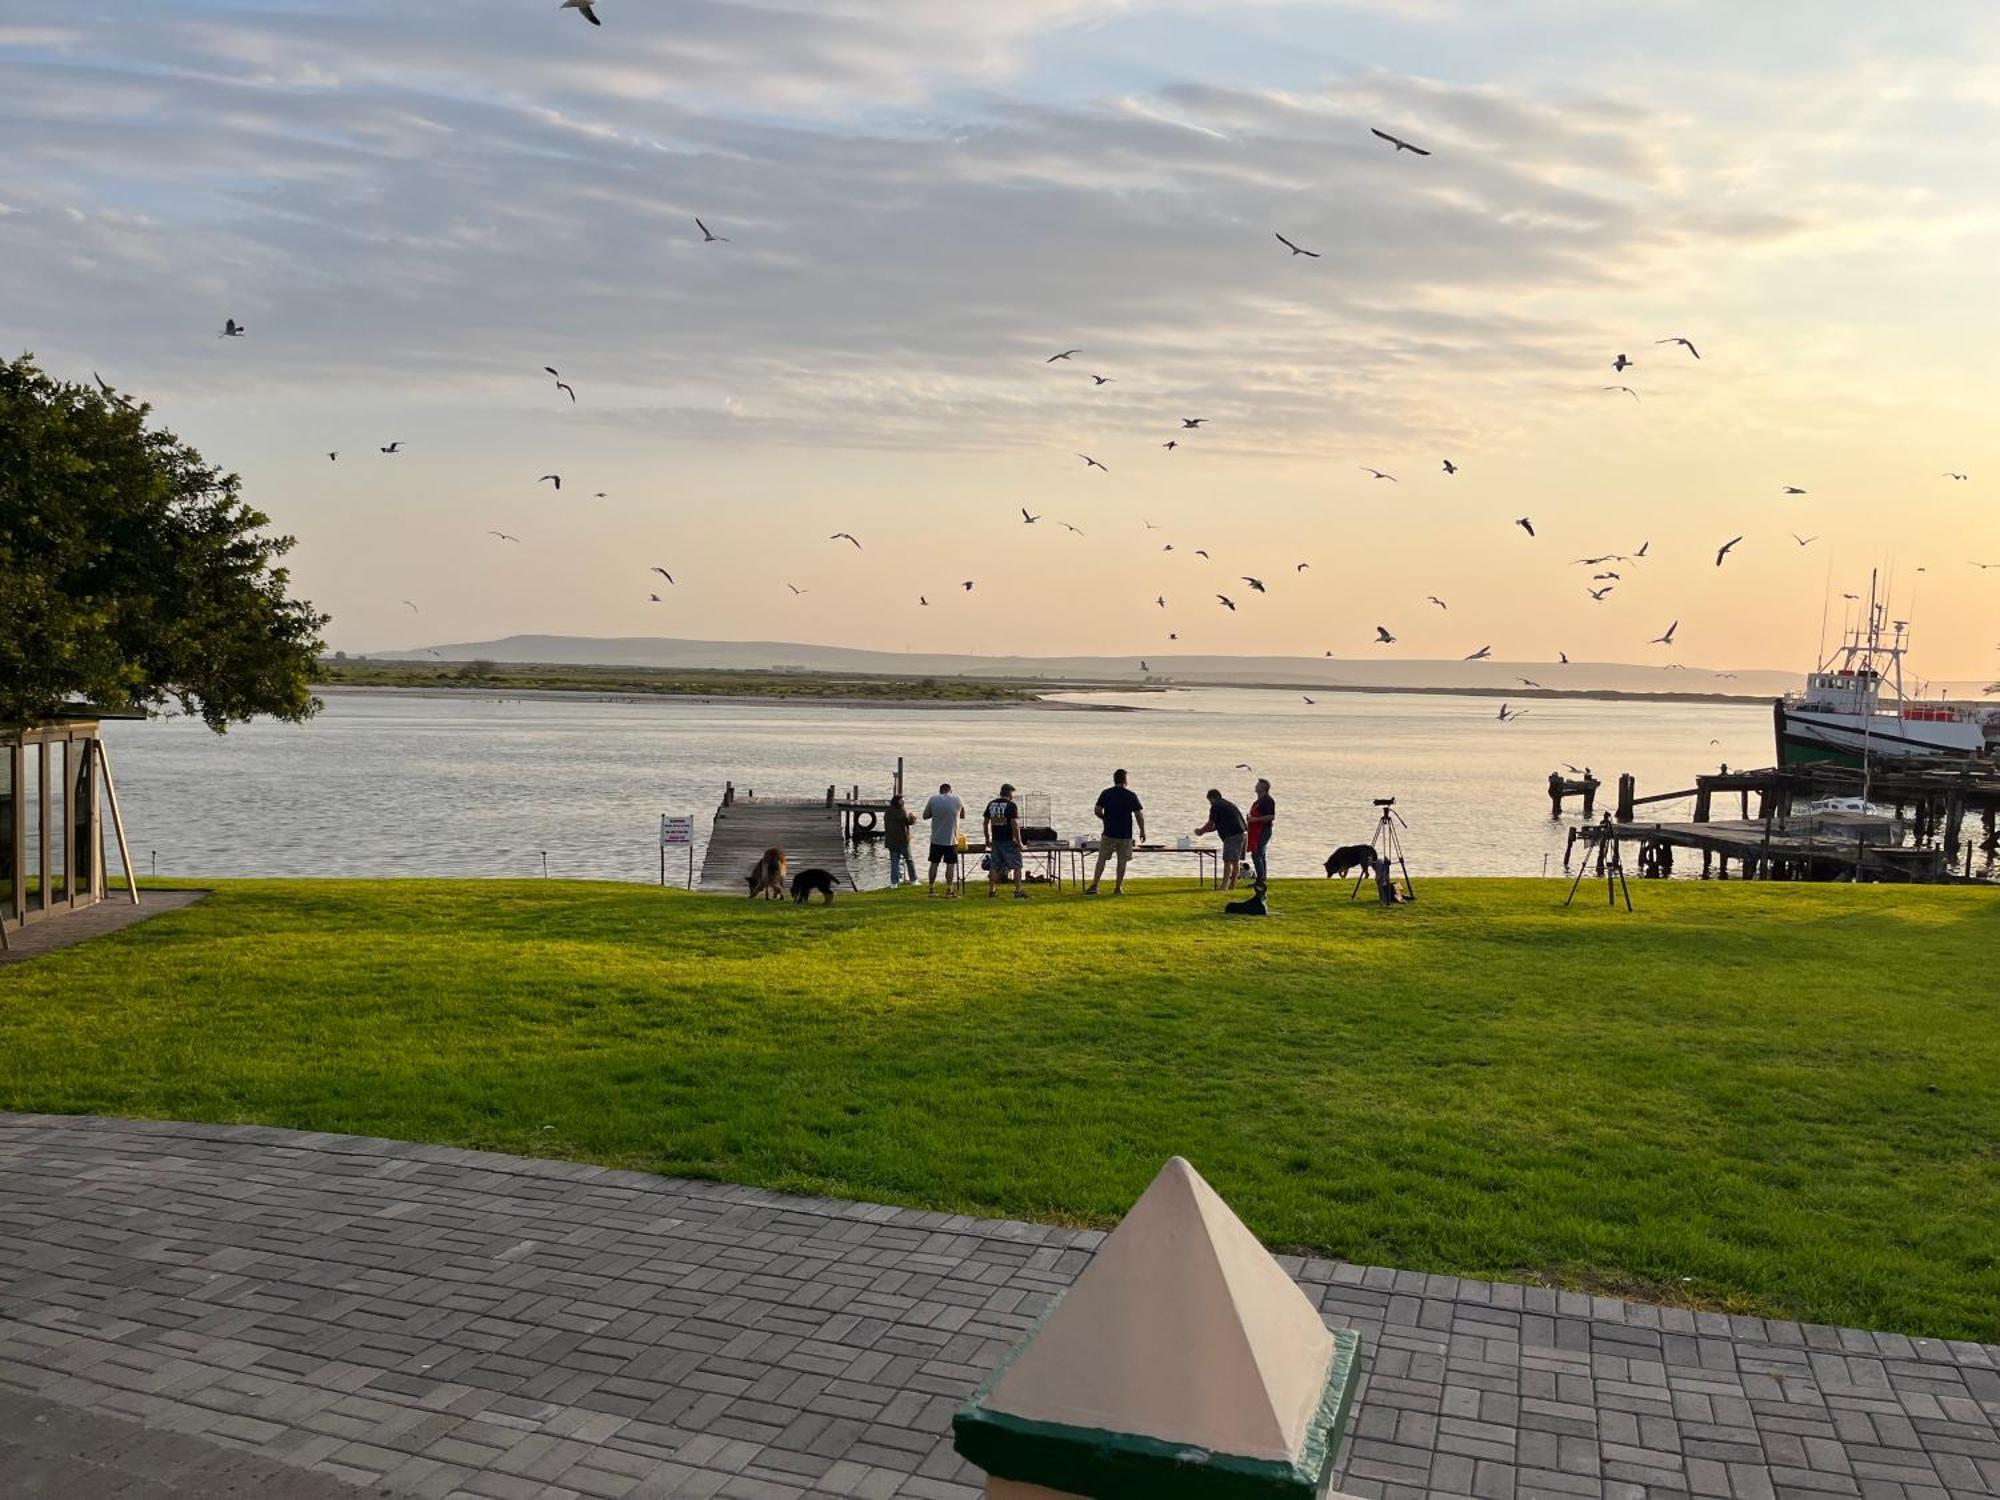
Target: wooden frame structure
<point>53,778</point>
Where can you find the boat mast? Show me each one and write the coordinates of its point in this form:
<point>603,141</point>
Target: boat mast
<point>1868,688</point>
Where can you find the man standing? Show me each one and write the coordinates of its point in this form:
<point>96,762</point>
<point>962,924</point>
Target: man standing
<point>1225,821</point>
<point>1003,843</point>
<point>1117,808</point>
<point>1263,813</point>
<point>942,812</point>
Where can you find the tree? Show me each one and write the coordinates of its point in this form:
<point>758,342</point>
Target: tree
<point>132,573</point>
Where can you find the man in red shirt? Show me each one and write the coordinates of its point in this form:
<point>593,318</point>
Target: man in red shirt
<point>1263,813</point>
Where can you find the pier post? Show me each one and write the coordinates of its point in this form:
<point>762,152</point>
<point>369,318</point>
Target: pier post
<point>829,796</point>
<point>1704,796</point>
<point>1555,794</point>
<point>1628,792</point>
<point>1589,798</point>
<point>728,794</point>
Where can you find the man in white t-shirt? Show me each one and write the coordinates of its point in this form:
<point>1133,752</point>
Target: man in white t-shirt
<point>942,812</point>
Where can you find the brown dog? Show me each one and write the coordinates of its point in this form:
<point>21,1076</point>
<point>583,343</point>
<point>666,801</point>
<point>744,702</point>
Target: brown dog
<point>767,876</point>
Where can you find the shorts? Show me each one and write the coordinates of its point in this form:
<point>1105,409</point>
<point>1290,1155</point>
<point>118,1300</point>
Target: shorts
<point>1232,848</point>
<point>1004,857</point>
<point>944,854</point>
<point>1122,848</point>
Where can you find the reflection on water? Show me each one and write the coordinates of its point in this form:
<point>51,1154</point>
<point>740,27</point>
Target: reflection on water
<point>389,784</point>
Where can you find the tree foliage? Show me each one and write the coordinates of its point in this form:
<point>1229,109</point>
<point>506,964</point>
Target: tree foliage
<point>132,573</point>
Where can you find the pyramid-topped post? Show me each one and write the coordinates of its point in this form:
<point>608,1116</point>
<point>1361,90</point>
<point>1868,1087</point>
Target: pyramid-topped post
<point>1184,1364</point>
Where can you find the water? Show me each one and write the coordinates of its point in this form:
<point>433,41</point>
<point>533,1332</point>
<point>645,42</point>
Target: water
<point>386,784</point>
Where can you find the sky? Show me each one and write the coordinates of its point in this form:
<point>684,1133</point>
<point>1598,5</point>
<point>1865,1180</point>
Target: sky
<point>414,208</point>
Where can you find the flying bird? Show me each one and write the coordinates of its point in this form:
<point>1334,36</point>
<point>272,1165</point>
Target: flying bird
<point>1078,530</point>
<point>1507,714</point>
<point>1190,423</point>
<point>1598,594</point>
<point>1198,552</point>
<point>395,447</point>
<point>670,577</point>
<point>1091,463</point>
<point>1147,524</point>
<point>1527,682</point>
<point>1625,388</point>
<point>504,536</point>
<point>846,536</point>
<point>1382,637</point>
<point>967,585</point>
<point>1450,467</point>
<point>1161,601</point>
<point>1298,250</point>
<point>1227,602</point>
<point>231,329</point>
<point>1244,765</point>
<point>1309,700</point>
<point>709,236</point>
<point>1684,343</point>
<point>1064,355</point>
<point>1433,599</point>
<point>1792,489</point>
<point>1481,654</point>
<point>923,601</point>
<point>1804,541</point>
<point>1379,474</point>
<point>126,401</point>
<point>1562,658</point>
<point>333,458</point>
<point>1026,519</point>
<point>1600,577</point>
<point>1398,142</point>
<point>563,385</point>
<point>1724,550</point>
<point>1668,638</point>
<point>654,599</point>
<point>1525,524</point>
<point>1144,668</point>
<point>1621,364</point>
<point>796,590</point>
<point>553,371</point>
<point>585,8</point>
<point>1947,473</point>
<point>1301,567</point>
<point>1644,548</point>
<point>1100,380</point>
<point>1256,584</point>
<point>1171,444</point>
<point>413,609</point>
<point>555,479</point>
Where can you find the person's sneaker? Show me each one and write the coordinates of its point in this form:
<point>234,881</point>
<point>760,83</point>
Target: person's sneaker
<point>1020,895</point>
<point>1090,890</point>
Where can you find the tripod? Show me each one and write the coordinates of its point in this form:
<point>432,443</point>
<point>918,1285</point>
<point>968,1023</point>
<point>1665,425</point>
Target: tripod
<point>1388,846</point>
<point>1610,864</point>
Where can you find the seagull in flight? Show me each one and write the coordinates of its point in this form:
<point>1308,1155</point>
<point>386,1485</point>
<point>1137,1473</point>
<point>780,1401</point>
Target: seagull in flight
<point>1161,601</point>
<point>1026,519</point>
<point>555,479</point>
<point>967,585</point>
<point>1100,380</point>
<point>1397,141</point>
<point>333,458</point>
<point>1091,463</point>
<point>1792,489</point>
<point>846,536</point>
<point>1562,658</point>
<point>1724,550</point>
<point>1433,599</point>
<point>1527,682</point>
<point>1298,250</point>
<point>504,536</point>
<point>1067,353</point>
<point>1481,654</point>
<point>1379,474</point>
<point>1078,530</point>
<point>1382,637</point>
<point>231,329</point>
<point>1227,602</point>
<point>1171,444</point>
<point>1301,567</point>
<point>923,601</point>
<point>1450,467</point>
<point>1644,548</point>
<point>654,599</point>
<point>413,609</point>
<point>1190,423</point>
<point>553,371</point>
<point>670,577</point>
<point>1668,638</point>
<point>1625,388</point>
<point>395,447</point>
<point>1198,552</point>
<point>1984,566</point>
<point>1147,524</point>
<point>1684,343</point>
<point>1256,584</point>
<point>1309,700</point>
<point>584,8</point>
<point>709,236</point>
<point>1508,714</point>
<point>797,592</point>
<point>1598,594</point>
<point>1804,541</point>
<point>1525,524</point>
<point>1621,364</point>
<point>1949,474</point>
<point>564,385</point>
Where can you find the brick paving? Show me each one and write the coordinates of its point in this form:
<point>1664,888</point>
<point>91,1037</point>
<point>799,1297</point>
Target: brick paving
<point>189,1310</point>
<point>113,914</point>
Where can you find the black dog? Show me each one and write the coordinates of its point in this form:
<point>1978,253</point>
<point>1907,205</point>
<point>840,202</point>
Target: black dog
<point>807,882</point>
<point>1348,858</point>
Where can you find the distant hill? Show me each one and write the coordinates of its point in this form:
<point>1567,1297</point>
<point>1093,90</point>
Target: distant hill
<point>657,651</point>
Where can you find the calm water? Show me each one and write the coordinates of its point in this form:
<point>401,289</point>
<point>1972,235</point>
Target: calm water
<point>386,784</point>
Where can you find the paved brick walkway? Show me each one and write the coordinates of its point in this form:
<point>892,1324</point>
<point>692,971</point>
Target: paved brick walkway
<point>193,1305</point>
<point>113,914</point>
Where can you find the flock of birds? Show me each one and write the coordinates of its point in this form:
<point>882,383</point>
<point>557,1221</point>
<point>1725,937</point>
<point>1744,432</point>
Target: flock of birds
<point>1601,585</point>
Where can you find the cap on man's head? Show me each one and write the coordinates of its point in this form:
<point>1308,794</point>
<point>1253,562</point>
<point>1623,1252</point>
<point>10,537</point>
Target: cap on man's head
<point>1006,788</point>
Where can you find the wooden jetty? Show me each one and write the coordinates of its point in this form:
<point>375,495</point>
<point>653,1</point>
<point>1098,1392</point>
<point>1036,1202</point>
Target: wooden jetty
<point>814,832</point>
<point>1778,841</point>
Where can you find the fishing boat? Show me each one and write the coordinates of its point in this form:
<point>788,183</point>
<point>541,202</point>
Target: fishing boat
<point>1854,709</point>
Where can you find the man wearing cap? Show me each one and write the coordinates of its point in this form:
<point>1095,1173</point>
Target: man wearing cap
<point>1003,843</point>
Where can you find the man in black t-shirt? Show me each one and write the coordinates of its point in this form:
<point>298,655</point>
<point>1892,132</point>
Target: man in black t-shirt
<point>1003,843</point>
<point>1118,808</point>
<point>1226,822</point>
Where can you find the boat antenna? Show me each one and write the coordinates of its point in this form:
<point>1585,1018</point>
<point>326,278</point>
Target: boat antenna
<point>1871,689</point>
<point>1825,605</point>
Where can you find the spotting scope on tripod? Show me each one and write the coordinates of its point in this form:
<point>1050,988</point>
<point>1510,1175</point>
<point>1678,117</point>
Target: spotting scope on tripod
<point>1389,862</point>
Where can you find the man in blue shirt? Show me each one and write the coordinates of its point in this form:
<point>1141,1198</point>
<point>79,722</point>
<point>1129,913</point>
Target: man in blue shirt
<point>1118,808</point>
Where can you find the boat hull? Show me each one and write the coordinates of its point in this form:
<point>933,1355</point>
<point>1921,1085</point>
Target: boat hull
<point>1815,737</point>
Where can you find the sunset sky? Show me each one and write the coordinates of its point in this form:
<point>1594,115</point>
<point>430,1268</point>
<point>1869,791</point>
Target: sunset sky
<point>414,207</point>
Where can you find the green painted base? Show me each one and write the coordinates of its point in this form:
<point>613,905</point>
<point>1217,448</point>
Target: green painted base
<point>1122,1466</point>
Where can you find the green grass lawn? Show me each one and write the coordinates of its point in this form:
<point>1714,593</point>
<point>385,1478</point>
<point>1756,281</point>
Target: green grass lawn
<point>1777,1099</point>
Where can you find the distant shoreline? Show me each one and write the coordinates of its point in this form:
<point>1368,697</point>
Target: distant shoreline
<point>733,700</point>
